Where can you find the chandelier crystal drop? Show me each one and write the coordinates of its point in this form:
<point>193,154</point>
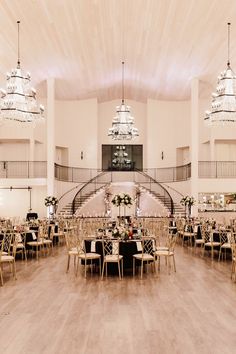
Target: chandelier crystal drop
<point>223,107</point>
<point>18,102</point>
<point>122,123</point>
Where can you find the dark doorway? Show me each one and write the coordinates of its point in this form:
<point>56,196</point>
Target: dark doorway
<point>122,157</point>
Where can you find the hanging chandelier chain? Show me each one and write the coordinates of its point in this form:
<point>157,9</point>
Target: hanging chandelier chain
<point>123,89</point>
<point>228,43</point>
<point>18,44</point>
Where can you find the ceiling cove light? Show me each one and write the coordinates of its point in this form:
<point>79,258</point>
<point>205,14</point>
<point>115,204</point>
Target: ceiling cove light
<point>18,102</point>
<point>122,123</point>
<point>223,106</point>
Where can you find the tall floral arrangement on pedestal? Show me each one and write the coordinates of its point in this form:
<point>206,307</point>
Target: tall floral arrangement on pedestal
<point>122,199</point>
<point>188,202</point>
<point>50,201</point>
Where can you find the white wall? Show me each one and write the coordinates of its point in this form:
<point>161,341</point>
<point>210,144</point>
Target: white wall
<point>168,128</point>
<point>17,202</point>
<point>76,129</point>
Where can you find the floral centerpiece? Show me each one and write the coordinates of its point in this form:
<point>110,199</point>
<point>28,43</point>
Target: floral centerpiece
<point>187,201</point>
<point>50,201</point>
<point>120,232</point>
<point>122,199</point>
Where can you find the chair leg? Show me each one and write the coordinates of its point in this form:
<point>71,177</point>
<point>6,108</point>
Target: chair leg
<point>77,267</point>
<point>100,266</point>
<point>14,269</point>
<point>68,264</point>
<point>142,269</point>
<point>85,268</point>
<point>119,269</point>
<point>103,268</point>
<point>1,275</point>
<point>133,266</point>
<point>174,263</point>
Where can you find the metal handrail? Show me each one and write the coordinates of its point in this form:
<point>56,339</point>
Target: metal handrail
<point>158,190</point>
<point>82,175</point>
<point>217,169</point>
<point>97,182</point>
<point>89,188</point>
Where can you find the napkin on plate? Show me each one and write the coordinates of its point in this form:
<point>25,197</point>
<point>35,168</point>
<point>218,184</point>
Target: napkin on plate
<point>93,246</point>
<point>139,245</point>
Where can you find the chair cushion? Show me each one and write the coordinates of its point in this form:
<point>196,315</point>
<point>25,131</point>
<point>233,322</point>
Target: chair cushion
<point>144,256</point>
<point>89,255</point>
<point>20,245</point>
<point>35,243</point>
<point>226,245</point>
<point>112,258</point>
<point>164,253</point>
<point>73,252</point>
<point>161,248</point>
<point>199,241</point>
<point>212,244</point>
<point>6,259</point>
<point>47,241</point>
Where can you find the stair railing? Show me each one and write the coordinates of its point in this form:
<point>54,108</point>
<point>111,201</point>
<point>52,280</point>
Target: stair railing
<point>156,188</point>
<point>90,188</point>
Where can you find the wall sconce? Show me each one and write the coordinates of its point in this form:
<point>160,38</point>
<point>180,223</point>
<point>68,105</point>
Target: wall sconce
<point>81,155</point>
<point>162,155</point>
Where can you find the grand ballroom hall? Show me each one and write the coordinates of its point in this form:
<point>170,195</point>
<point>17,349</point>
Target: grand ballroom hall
<point>118,176</point>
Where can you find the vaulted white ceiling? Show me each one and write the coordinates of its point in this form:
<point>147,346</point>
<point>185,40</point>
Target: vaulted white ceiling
<point>81,43</point>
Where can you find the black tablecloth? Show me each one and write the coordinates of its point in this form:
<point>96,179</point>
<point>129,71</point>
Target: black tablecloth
<point>127,250</point>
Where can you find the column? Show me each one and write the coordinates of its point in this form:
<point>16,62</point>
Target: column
<point>50,135</point>
<point>194,143</point>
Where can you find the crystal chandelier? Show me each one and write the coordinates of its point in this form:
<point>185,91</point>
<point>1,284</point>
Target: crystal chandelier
<point>18,102</point>
<point>223,107</point>
<point>122,123</point>
<point>120,157</point>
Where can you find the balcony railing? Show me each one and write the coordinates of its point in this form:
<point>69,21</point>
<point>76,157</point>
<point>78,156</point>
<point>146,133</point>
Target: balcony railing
<point>217,169</point>
<point>170,174</point>
<point>82,175</point>
<point>75,174</point>
<point>38,169</point>
<point>23,169</point>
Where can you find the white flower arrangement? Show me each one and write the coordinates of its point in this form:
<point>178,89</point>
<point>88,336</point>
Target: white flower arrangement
<point>122,199</point>
<point>187,201</point>
<point>50,201</point>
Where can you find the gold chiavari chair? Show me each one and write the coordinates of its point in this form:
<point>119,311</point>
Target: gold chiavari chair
<point>146,256</point>
<point>36,244</point>
<point>20,244</point>
<point>111,254</point>
<point>72,250</point>
<point>168,253</point>
<point>7,247</point>
<point>225,242</point>
<point>233,266</point>
<point>88,258</point>
<point>211,241</point>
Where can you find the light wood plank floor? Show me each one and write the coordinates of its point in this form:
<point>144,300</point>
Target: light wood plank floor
<point>49,311</point>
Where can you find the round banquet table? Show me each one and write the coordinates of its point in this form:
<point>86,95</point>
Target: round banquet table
<point>127,250</point>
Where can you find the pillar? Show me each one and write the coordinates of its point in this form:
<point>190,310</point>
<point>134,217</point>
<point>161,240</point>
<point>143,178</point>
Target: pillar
<point>194,145</point>
<point>50,135</point>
